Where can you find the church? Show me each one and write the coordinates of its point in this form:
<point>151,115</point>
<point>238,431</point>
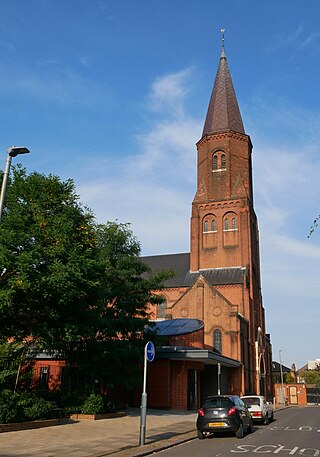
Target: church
<point>212,320</point>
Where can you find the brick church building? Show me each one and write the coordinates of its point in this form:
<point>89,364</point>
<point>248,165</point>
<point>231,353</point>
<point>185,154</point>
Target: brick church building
<point>212,320</point>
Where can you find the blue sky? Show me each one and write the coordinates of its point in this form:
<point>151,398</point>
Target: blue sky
<point>114,93</point>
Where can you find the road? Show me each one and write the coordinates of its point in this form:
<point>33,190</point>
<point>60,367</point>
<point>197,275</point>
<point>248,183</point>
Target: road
<point>295,431</point>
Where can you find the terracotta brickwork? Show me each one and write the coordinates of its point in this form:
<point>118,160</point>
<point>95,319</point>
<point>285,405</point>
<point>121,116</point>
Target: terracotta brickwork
<point>295,394</point>
<point>222,194</point>
<point>53,372</point>
<point>194,339</point>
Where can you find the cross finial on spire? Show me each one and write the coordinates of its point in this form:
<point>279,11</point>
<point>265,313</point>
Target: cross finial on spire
<point>222,51</point>
<point>222,31</point>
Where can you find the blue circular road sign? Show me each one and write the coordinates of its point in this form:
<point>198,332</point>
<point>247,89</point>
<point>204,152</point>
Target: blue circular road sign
<point>150,351</point>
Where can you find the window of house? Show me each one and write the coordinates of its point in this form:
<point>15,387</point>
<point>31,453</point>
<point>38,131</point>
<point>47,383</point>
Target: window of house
<point>206,226</point>
<point>43,378</point>
<point>226,224</point>
<point>213,225</point>
<point>217,340</point>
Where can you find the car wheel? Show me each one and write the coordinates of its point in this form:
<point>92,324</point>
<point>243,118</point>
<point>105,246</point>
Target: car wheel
<point>239,432</point>
<point>250,427</point>
<point>201,435</point>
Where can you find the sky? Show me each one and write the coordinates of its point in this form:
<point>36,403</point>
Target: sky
<point>114,94</point>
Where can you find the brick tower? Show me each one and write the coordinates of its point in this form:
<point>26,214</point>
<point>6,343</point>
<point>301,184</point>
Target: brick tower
<point>217,285</point>
<point>224,228</point>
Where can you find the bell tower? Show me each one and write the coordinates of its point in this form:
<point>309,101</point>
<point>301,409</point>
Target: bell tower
<point>223,222</point>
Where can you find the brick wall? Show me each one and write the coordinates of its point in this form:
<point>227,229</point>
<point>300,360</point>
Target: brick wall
<point>194,339</point>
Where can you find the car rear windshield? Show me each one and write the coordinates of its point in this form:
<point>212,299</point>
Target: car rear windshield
<point>217,402</point>
<point>251,401</point>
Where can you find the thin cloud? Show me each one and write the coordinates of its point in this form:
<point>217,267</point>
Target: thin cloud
<point>285,40</point>
<point>65,88</point>
<point>311,40</point>
<point>168,92</point>
<point>7,46</point>
<point>153,188</point>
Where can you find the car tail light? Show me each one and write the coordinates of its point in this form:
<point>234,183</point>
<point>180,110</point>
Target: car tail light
<point>232,411</point>
<point>201,412</point>
<point>257,414</point>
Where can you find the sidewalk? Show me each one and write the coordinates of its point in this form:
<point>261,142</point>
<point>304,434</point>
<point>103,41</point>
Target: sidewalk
<point>118,437</point>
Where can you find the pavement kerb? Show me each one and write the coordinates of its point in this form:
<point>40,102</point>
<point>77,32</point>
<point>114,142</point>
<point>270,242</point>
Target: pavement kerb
<point>147,449</point>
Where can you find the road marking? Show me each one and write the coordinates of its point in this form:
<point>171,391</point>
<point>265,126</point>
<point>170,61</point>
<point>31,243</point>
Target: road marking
<point>275,449</point>
<point>303,428</point>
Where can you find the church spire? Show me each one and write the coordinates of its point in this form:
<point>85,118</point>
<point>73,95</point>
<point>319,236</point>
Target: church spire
<point>223,111</point>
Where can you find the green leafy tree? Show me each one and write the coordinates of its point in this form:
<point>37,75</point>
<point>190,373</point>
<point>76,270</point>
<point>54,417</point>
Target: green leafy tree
<point>69,286</point>
<point>289,378</point>
<point>312,377</point>
<point>128,289</point>
<point>49,269</point>
<point>11,354</point>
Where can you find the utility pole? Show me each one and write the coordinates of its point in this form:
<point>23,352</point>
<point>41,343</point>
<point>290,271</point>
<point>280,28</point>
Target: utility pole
<point>281,374</point>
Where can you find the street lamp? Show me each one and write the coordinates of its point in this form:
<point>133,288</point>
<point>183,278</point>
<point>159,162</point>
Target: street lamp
<point>281,374</point>
<point>13,151</point>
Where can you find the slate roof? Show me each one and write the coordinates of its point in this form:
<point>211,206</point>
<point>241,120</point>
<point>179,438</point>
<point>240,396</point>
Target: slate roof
<point>276,367</point>
<point>180,264</point>
<point>223,112</point>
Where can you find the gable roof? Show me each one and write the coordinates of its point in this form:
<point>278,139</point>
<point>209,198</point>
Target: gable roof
<point>180,264</point>
<point>276,367</point>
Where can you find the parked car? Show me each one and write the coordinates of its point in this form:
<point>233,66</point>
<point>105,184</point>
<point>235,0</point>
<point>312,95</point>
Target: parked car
<point>223,413</point>
<point>260,409</point>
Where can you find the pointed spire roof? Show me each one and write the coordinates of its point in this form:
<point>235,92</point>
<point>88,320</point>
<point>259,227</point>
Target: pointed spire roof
<point>223,111</point>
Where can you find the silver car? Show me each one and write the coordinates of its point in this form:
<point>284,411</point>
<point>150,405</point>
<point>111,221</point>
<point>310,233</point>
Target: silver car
<point>260,409</point>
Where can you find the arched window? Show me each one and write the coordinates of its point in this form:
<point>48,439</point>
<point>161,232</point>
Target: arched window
<point>226,224</point>
<point>215,162</point>
<point>234,223</point>
<point>217,340</point>
<point>206,226</point>
<point>213,225</point>
<point>223,162</point>
<point>161,312</point>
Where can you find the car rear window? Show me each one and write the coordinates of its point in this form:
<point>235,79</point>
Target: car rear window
<point>222,402</point>
<point>251,401</point>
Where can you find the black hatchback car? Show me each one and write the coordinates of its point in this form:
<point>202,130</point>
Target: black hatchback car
<point>223,413</point>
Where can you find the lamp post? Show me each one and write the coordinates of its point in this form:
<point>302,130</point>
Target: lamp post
<point>281,374</point>
<point>13,151</point>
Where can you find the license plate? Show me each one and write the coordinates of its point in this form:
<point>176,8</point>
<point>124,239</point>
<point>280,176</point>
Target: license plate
<point>216,424</point>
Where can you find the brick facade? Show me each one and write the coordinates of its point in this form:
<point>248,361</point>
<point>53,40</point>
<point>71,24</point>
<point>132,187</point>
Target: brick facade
<point>224,236</point>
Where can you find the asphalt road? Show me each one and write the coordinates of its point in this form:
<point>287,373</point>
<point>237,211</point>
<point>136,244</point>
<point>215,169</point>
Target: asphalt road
<point>295,431</point>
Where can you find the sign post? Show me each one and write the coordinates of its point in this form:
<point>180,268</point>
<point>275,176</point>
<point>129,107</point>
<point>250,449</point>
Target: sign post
<point>149,355</point>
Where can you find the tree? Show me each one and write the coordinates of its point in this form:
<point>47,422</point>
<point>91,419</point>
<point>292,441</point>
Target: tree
<point>311,377</point>
<point>69,286</point>
<point>49,268</point>
<point>128,289</point>
<point>289,378</point>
